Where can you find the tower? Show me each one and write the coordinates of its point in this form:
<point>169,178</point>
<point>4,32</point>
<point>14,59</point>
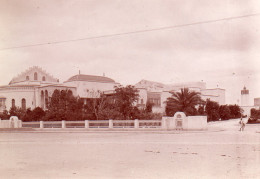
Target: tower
<point>245,97</point>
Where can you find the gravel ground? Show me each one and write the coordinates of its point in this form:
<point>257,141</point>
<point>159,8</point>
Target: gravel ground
<point>225,153</point>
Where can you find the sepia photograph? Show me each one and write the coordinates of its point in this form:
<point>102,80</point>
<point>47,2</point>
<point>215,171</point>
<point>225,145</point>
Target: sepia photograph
<point>129,89</point>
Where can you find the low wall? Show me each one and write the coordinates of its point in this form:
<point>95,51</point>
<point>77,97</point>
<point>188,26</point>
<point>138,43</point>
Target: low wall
<point>13,122</point>
<point>196,123</point>
<point>182,122</point>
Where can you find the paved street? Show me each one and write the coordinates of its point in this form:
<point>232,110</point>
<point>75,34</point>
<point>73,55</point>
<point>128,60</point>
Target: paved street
<point>226,153</point>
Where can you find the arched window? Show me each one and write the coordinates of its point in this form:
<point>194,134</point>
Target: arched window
<point>27,78</point>
<point>23,104</point>
<point>43,78</point>
<point>42,99</point>
<point>13,103</point>
<point>46,98</point>
<point>35,76</point>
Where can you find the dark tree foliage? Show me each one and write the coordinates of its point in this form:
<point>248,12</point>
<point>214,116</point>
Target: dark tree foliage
<point>4,115</point>
<point>100,108</point>
<point>224,112</point>
<point>255,114</point>
<point>235,111</point>
<point>212,110</point>
<point>64,106</point>
<point>201,110</point>
<point>34,115</point>
<point>149,107</point>
<point>17,111</point>
<point>184,101</point>
<point>125,97</point>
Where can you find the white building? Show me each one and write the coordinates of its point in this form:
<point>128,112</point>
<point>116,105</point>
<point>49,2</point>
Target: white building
<point>245,102</point>
<point>157,93</point>
<point>90,86</point>
<point>34,87</point>
<point>30,89</point>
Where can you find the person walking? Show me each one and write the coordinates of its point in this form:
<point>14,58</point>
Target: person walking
<point>242,124</point>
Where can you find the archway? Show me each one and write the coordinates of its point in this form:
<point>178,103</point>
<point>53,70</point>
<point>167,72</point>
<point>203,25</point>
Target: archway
<point>42,99</point>
<point>23,104</point>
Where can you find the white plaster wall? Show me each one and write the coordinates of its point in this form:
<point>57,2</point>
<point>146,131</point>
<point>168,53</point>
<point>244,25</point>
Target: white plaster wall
<point>84,88</point>
<point>245,100</point>
<point>164,96</point>
<point>196,122</point>
<point>4,124</point>
<point>142,95</point>
<point>18,95</point>
<point>217,95</point>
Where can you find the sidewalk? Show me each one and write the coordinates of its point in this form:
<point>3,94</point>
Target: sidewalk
<point>105,130</point>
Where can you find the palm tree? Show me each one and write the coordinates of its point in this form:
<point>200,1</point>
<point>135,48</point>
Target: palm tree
<point>184,101</point>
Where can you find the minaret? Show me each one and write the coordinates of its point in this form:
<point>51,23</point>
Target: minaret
<point>245,97</point>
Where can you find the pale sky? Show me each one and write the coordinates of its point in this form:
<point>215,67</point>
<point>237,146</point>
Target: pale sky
<point>223,54</point>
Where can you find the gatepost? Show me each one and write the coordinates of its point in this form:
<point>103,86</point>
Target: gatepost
<point>110,123</point>
<point>41,125</point>
<point>136,124</point>
<point>63,124</point>
<point>86,124</point>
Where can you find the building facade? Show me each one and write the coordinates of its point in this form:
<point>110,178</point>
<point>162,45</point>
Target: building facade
<point>157,93</point>
<point>34,87</point>
<point>245,102</point>
<point>30,89</point>
<point>257,102</point>
<point>90,86</point>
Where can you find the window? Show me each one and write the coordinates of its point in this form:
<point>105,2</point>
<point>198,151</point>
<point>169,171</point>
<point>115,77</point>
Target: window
<point>23,104</point>
<point>27,78</point>
<point>43,78</point>
<point>2,104</point>
<point>13,103</point>
<point>46,98</point>
<point>35,76</point>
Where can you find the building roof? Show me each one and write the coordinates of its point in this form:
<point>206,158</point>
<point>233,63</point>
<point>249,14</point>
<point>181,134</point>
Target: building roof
<point>32,75</point>
<point>92,78</point>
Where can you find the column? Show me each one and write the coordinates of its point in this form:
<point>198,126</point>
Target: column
<point>86,124</point>
<point>136,124</point>
<point>63,124</point>
<point>110,124</point>
<point>41,125</point>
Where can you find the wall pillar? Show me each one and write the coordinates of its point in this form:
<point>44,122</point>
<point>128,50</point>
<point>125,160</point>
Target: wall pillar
<point>136,124</point>
<point>110,124</point>
<point>63,124</point>
<point>86,124</point>
<point>163,123</point>
<point>41,125</point>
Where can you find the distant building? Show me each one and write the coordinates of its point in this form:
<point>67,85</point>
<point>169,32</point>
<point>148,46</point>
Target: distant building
<point>245,102</point>
<point>34,87</point>
<point>30,89</point>
<point>90,86</point>
<point>245,97</point>
<point>157,93</point>
<point>257,102</point>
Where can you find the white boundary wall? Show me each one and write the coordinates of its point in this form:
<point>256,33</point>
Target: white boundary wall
<point>13,122</point>
<point>182,122</point>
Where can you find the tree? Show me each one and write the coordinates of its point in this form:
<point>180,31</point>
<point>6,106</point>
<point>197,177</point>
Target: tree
<point>235,111</point>
<point>98,106</point>
<point>4,115</point>
<point>212,110</point>
<point>184,101</point>
<point>224,112</point>
<point>125,97</point>
<point>17,111</point>
<point>149,107</point>
<point>64,106</point>
<point>34,115</point>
